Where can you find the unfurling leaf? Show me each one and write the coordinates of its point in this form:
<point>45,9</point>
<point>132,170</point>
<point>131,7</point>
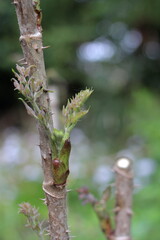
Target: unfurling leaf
<point>75,104</point>
<point>77,116</point>
<point>29,109</point>
<point>73,112</point>
<point>20,69</point>
<point>27,209</point>
<point>38,94</point>
<point>16,84</point>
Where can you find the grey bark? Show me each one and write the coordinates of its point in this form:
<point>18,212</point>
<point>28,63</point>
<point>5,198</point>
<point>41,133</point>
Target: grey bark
<point>31,43</point>
<point>123,195</point>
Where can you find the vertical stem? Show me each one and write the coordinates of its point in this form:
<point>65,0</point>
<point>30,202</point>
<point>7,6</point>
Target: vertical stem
<point>31,42</point>
<point>124,189</point>
<point>58,227</point>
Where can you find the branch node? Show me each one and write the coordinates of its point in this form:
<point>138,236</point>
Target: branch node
<point>44,156</point>
<point>116,209</point>
<point>37,35</point>
<point>52,190</point>
<point>129,211</point>
<point>15,2</point>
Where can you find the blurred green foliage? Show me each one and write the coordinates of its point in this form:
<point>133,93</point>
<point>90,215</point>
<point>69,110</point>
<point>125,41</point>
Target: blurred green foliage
<point>146,107</point>
<point>113,47</point>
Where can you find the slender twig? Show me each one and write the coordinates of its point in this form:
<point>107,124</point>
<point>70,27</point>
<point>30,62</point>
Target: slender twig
<point>99,207</point>
<point>123,195</point>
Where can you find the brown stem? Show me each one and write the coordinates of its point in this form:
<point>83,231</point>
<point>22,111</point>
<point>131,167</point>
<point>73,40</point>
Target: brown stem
<point>31,43</point>
<point>124,189</point>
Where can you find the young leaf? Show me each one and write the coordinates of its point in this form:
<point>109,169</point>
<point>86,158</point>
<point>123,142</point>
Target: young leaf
<point>29,109</point>
<point>73,112</point>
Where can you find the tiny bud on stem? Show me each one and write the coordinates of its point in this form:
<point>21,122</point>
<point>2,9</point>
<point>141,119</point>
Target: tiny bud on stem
<point>56,163</point>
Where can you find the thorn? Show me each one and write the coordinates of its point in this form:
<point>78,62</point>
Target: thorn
<point>45,47</point>
<point>44,200</point>
<point>21,60</point>
<point>68,231</point>
<point>68,190</point>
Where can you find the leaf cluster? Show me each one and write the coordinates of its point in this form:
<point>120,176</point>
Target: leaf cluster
<point>32,89</point>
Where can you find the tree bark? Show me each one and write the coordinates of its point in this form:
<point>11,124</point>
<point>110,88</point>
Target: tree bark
<point>123,195</point>
<point>31,42</point>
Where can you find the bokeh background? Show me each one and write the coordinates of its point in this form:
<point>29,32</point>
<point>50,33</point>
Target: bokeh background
<point>113,47</point>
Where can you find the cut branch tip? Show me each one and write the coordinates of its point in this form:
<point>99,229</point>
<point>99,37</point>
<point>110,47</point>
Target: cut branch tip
<point>123,163</point>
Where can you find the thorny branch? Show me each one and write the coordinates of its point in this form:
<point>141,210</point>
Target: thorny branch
<point>30,80</point>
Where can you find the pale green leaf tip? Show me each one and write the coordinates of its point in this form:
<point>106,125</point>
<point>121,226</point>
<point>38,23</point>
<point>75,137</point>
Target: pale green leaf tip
<point>74,111</point>
<point>13,70</point>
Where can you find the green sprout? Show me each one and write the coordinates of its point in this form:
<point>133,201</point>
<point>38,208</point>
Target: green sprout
<point>59,139</point>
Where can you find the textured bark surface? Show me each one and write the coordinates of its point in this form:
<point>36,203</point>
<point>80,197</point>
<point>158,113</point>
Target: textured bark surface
<point>31,43</point>
<point>123,209</point>
<point>59,228</point>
